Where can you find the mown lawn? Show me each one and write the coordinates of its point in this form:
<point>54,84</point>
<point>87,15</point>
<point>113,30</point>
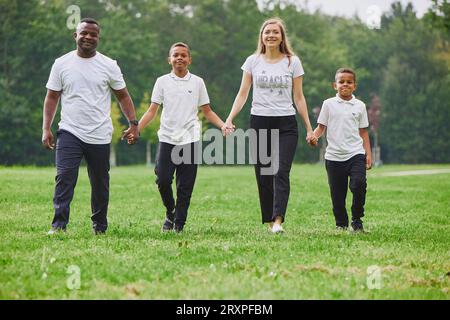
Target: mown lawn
<point>225,251</point>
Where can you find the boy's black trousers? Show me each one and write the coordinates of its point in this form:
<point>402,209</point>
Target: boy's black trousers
<point>186,173</point>
<point>69,152</point>
<point>274,189</point>
<point>339,173</point>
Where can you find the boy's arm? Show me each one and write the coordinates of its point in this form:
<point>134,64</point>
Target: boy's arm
<point>319,131</point>
<point>366,144</point>
<point>211,116</point>
<point>148,116</point>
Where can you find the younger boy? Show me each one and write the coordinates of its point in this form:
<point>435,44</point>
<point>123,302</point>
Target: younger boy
<point>348,152</point>
<point>181,94</point>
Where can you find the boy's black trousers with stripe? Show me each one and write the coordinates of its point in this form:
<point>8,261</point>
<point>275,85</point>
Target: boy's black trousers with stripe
<point>186,173</point>
<point>339,173</point>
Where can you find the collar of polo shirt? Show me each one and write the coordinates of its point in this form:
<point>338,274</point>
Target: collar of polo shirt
<point>340,100</point>
<point>185,78</point>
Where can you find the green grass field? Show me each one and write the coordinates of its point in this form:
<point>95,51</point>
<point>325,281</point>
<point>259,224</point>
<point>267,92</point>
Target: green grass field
<point>225,251</point>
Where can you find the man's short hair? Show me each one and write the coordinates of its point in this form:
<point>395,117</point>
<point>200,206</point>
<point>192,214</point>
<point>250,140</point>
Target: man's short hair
<point>345,70</point>
<point>88,20</point>
<point>179,44</point>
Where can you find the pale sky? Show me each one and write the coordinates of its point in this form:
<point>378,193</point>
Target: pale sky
<point>363,8</point>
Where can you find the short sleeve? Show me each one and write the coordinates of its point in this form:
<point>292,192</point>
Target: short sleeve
<point>248,64</point>
<point>364,121</point>
<point>203,97</point>
<point>297,67</point>
<point>157,93</point>
<point>116,81</point>
<point>323,115</point>
<point>54,80</point>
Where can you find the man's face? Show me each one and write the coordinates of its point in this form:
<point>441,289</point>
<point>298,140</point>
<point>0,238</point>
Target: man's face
<point>179,58</point>
<point>87,36</point>
<point>345,84</point>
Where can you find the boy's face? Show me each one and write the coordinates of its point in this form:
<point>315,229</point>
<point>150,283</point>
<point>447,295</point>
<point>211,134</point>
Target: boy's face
<point>179,59</point>
<point>345,85</point>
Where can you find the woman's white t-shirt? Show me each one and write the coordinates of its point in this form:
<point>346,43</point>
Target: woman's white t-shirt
<point>272,84</point>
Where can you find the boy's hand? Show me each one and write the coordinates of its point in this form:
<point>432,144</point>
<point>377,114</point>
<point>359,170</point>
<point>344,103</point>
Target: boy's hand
<point>131,135</point>
<point>311,139</point>
<point>227,128</point>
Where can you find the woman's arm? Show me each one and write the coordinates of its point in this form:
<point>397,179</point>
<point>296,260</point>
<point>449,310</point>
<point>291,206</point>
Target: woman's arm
<point>300,103</point>
<point>239,101</point>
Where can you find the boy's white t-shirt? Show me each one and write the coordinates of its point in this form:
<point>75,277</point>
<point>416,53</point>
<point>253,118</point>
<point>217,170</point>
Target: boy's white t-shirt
<point>180,99</point>
<point>85,85</point>
<point>343,120</point>
<point>272,85</point>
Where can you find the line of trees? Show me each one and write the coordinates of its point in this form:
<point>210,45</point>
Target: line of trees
<point>403,66</point>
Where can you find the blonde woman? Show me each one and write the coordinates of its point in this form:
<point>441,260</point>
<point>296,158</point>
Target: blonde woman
<point>276,75</point>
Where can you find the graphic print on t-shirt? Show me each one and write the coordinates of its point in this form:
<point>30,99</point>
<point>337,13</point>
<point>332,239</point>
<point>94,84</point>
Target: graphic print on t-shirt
<point>272,82</point>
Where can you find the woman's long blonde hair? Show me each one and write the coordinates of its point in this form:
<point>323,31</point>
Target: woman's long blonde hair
<point>285,46</point>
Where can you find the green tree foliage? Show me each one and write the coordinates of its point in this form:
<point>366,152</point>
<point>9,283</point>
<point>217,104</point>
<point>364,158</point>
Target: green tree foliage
<point>405,63</point>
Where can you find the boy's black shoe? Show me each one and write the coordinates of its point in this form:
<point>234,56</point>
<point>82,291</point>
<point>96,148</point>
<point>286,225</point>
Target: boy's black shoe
<point>98,232</point>
<point>178,228</point>
<point>357,226</point>
<point>341,228</point>
<point>168,224</point>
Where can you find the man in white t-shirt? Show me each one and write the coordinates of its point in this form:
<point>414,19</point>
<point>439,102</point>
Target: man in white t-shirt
<point>83,79</point>
<point>348,153</point>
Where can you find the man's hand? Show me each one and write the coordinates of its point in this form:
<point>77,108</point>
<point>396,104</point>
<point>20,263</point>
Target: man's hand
<point>48,141</point>
<point>131,134</point>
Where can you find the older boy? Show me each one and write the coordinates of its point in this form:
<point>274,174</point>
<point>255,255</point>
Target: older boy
<point>181,94</point>
<point>348,153</point>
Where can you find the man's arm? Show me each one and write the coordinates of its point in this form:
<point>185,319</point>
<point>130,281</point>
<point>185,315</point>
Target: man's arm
<point>127,107</point>
<point>49,111</point>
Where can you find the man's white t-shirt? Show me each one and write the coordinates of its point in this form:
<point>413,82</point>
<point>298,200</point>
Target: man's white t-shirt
<point>272,84</point>
<point>343,120</point>
<point>85,85</point>
<point>180,99</point>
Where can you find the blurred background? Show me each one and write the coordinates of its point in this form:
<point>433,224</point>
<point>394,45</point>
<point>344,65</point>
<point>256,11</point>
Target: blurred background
<point>399,50</point>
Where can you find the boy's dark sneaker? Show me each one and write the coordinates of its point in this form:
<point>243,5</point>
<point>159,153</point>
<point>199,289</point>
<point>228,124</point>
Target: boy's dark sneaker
<point>99,232</point>
<point>178,228</point>
<point>341,228</point>
<point>168,224</point>
<point>357,226</point>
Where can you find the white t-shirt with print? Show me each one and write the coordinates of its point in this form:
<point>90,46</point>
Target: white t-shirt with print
<point>272,84</point>
<point>343,120</point>
<point>85,85</point>
<point>180,99</point>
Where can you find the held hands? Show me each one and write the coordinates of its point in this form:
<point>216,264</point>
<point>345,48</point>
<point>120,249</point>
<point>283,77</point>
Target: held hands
<point>48,141</point>
<point>311,139</point>
<point>131,134</point>
<point>227,128</point>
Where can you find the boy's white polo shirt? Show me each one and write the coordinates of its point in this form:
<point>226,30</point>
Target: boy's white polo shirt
<point>180,99</point>
<point>343,120</point>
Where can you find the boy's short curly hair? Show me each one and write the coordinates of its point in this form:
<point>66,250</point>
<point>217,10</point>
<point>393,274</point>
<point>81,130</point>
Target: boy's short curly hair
<point>345,70</point>
<point>179,44</point>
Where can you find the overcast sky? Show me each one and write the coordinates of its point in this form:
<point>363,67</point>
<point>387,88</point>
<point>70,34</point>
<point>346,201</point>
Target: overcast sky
<point>361,7</point>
